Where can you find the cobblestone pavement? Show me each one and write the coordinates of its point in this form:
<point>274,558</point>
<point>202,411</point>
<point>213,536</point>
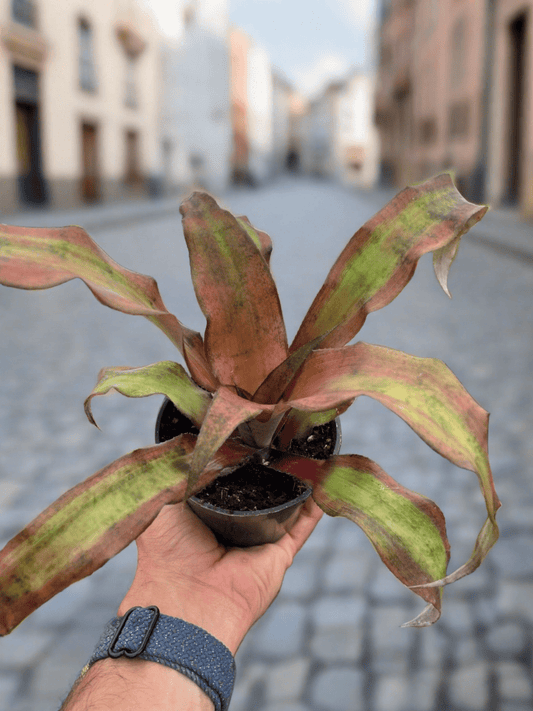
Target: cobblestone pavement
<point>331,641</point>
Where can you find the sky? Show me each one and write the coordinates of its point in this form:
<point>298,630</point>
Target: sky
<point>310,41</point>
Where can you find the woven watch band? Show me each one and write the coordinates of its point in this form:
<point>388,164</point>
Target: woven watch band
<point>144,633</point>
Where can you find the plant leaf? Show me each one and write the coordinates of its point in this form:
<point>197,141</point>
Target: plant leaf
<point>163,378</point>
<point>407,530</point>
<point>226,412</point>
<point>245,337</point>
<point>39,258</point>
<point>425,394</point>
<point>94,521</point>
<point>381,258</point>
<point>261,240</point>
<point>276,382</point>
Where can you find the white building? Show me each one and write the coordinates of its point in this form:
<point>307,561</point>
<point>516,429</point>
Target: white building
<point>195,115</point>
<point>338,137</point>
<point>357,139</point>
<point>79,91</point>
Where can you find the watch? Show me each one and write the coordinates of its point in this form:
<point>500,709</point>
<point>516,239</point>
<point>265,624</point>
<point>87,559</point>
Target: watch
<point>144,633</point>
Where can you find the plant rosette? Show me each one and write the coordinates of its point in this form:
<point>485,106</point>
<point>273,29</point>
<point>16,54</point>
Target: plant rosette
<point>249,392</point>
<point>252,504</point>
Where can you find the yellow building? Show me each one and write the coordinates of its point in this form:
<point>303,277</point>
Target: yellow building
<point>79,102</point>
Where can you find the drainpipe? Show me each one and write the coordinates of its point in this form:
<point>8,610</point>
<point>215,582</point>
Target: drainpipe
<point>478,178</point>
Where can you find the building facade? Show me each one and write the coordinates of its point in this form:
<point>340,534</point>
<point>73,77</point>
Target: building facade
<point>80,90</point>
<point>196,109</point>
<point>455,93</point>
<point>338,137</point>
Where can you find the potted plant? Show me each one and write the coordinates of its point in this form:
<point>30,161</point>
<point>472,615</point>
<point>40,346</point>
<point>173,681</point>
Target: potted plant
<point>250,394</point>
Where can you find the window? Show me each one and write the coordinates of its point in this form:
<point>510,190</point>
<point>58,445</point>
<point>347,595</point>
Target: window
<point>459,119</point>
<point>130,95</point>
<point>23,11</point>
<point>459,50</point>
<point>86,58</point>
<point>428,131</point>
<point>132,168</point>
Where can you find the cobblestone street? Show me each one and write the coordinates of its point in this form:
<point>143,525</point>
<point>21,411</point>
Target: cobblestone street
<point>331,641</point>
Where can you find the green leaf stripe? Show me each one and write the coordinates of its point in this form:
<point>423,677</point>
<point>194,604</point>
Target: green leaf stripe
<point>406,529</point>
<point>381,258</point>
<point>163,378</point>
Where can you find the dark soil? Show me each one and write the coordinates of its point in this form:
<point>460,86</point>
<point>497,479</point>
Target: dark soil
<point>254,486</point>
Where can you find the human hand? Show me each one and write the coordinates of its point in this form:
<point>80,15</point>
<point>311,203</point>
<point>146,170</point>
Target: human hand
<point>183,570</point>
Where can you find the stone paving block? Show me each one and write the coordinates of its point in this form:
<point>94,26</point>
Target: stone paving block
<point>391,693</point>
<point>387,588</point>
<point>514,706</point>
<point>514,598</point>
<point>507,638</point>
<point>23,647</point>
<point>64,606</point>
<point>301,579</point>
<point>286,682</point>
<point>8,492</point>
<point>338,689</point>
<point>513,556</point>
<point>348,537</point>
<point>285,706</point>
<point>338,644</point>
<point>245,683</point>
<point>347,571</point>
<point>457,617</point>
<point>468,687</point>
<point>391,645</point>
<point>319,539</point>
<point>333,611</point>
<point>280,633</point>
<point>513,682</point>
<point>8,687</point>
<point>465,650</point>
<point>432,647</point>
<point>423,688</point>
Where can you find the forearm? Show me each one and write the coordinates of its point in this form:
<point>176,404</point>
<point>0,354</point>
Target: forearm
<point>134,684</point>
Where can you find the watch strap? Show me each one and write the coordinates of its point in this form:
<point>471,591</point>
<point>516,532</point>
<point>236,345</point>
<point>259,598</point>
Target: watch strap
<point>144,633</point>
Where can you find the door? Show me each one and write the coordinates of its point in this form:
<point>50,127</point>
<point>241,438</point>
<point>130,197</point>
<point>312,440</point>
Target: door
<point>90,181</point>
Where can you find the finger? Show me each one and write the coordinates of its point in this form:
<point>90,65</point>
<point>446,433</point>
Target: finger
<point>310,515</point>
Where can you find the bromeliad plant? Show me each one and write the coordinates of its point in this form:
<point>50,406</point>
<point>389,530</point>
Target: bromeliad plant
<point>247,386</point>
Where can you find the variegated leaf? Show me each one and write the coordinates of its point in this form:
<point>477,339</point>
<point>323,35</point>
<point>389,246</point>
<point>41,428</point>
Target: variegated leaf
<point>163,378</point>
<point>245,337</point>
<point>94,521</point>
<point>381,258</point>
<point>424,393</point>
<point>407,530</point>
<point>261,240</point>
<point>39,258</point>
<point>226,412</point>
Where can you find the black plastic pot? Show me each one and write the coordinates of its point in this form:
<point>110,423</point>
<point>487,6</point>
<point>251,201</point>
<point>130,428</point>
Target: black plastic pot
<point>236,528</point>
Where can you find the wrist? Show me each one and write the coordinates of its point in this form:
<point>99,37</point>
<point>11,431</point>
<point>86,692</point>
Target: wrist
<point>202,608</point>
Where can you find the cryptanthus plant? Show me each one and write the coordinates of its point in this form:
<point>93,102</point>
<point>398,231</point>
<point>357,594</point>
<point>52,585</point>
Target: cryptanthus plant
<point>247,387</point>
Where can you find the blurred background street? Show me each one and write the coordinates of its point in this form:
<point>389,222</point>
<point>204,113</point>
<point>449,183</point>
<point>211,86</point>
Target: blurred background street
<point>308,119</point>
<point>331,641</point>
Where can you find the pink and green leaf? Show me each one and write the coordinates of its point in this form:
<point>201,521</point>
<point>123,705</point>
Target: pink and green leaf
<point>226,412</point>
<point>163,378</point>
<point>245,337</point>
<point>381,258</point>
<point>407,530</point>
<point>425,394</point>
<point>94,521</point>
<point>39,258</point>
<point>261,240</point>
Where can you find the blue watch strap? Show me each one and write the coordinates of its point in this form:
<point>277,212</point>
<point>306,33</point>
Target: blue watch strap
<point>144,633</point>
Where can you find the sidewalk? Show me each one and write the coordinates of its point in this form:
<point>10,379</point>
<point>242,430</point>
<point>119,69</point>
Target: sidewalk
<point>96,216</point>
